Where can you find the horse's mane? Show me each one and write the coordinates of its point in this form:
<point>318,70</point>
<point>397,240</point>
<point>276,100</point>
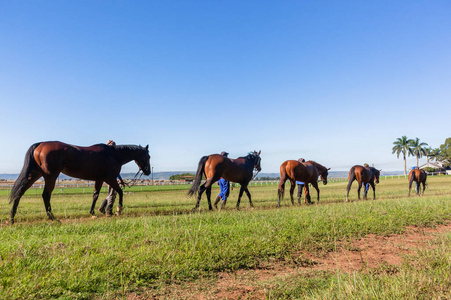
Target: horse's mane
<point>127,147</point>
<point>317,164</point>
<point>250,155</point>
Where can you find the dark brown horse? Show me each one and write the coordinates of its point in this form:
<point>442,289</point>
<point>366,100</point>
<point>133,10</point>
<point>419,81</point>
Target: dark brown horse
<point>363,175</point>
<point>215,166</point>
<point>307,172</point>
<point>419,176</point>
<point>100,163</point>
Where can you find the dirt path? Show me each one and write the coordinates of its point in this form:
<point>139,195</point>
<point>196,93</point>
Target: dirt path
<point>363,255</point>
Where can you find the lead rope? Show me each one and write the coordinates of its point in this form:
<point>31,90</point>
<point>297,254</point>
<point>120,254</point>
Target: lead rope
<point>253,177</point>
<point>133,180</point>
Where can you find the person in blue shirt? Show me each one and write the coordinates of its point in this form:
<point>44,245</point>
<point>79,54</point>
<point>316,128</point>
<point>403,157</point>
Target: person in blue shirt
<point>367,186</point>
<point>225,188</point>
<point>109,200</point>
<point>300,184</point>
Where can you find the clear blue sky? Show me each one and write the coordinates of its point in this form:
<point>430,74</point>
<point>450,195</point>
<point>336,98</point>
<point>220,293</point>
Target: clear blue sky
<point>332,81</point>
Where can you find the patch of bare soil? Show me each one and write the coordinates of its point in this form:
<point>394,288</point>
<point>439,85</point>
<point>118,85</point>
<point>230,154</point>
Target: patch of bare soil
<point>365,254</point>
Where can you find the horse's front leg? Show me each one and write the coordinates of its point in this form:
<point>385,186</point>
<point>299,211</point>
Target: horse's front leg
<point>373,186</point>
<point>239,197</point>
<point>249,196</point>
<point>95,196</point>
<point>315,185</point>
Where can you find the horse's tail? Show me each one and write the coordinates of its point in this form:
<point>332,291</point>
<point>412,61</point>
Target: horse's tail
<point>21,183</point>
<point>351,178</point>
<point>198,177</point>
<point>283,179</point>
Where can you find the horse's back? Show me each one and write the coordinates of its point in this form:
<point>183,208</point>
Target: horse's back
<point>80,162</point>
<point>418,175</point>
<point>358,171</point>
<point>289,168</point>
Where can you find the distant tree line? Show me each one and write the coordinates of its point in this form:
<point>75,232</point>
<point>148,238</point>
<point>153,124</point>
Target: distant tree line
<point>267,178</point>
<point>413,147</point>
<point>181,176</point>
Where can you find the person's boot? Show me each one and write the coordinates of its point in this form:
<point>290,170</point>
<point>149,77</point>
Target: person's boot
<point>109,210</point>
<point>216,202</point>
<point>118,211</point>
<point>103,206</point>
<point>223,203</point>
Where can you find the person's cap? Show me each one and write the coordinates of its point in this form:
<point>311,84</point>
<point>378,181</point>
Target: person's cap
<point>223,153</point>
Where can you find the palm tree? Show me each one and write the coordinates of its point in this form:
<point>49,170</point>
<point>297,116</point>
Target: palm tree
<point>402,145</point>
<point>435,154</point>
<point>418,149</point>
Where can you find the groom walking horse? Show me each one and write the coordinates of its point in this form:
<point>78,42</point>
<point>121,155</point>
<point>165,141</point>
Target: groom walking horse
<point>215,166</point>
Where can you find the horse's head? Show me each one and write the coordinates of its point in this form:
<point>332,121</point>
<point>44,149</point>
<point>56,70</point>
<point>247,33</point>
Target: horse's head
<point>376,175</point>
<point>257,159</point>
<point>143,160</point>
<point>324,172</point>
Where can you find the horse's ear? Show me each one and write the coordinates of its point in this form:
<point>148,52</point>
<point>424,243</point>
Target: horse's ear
<point>259,152</point>
<point>380,170</point>
<point>328,169</point>
<point>147,147</point>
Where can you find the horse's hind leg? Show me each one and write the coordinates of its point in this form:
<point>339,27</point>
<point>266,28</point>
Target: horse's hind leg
<point>46,194</point>
<point>208,193</point>
<point>281,190</point>
<point>95,196</point>
<point>348,188</point>
<point>293,185</point>
<point>358,191</point>
<point>410,186</point>
<point>307,197</point>
<point>202,188</point>
<point>32,179</point>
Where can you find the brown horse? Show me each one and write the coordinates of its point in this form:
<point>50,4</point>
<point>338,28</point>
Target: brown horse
<point>363,175</point>
<point>419,176</point>
<point>100,163</point>
<point>307,172</point>
<point>215,166</point>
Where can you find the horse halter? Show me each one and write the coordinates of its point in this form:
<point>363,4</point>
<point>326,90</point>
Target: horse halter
<point>256,162</point>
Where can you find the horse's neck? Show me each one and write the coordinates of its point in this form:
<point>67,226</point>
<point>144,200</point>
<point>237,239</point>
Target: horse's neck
<point>318,166</point>
<point>243,162</point>
<point>125,155</point>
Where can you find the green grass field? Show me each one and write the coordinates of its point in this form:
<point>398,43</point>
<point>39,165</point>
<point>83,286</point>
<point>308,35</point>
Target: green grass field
<point>157,243</point>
